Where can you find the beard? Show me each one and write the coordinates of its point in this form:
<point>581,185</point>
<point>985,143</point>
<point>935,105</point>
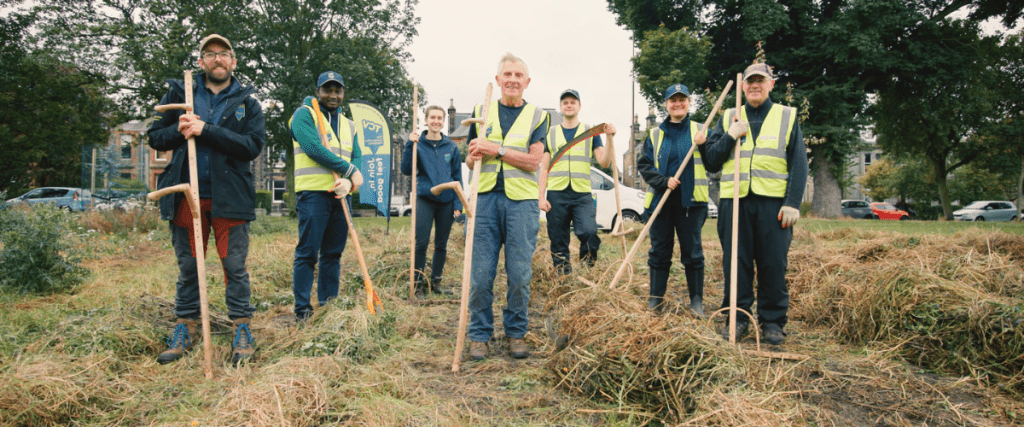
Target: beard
<point>216,80</point>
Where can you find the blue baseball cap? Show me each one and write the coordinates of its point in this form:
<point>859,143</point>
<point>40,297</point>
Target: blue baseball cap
<point>677,88</point>
<point>329,76</point>
<point>569,92</point>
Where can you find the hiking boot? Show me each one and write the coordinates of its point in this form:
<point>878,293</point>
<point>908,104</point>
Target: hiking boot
<point>241,346</point>
<point>184,335</point>
<point>772,333</point>
<point>435,287</point>
<point>421,289</point>
<point>741,330</point>
<point>303,316</point>
<point>477,350</point>
<point>518,349</point>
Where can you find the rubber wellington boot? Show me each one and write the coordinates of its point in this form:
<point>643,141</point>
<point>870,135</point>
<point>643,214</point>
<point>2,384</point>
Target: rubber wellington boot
<point>659,283</point>
<point>695,284</point>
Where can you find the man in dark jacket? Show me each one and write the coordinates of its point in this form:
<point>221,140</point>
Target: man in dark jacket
<point>228,126</point>
<point>438,162</point>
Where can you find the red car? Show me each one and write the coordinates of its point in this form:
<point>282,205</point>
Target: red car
<point>887,211</point>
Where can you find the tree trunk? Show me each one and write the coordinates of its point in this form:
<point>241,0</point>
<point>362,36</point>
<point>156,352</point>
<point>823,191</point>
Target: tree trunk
<point>939,166</point>
<point>1020,189</point>
<point>827,194</point>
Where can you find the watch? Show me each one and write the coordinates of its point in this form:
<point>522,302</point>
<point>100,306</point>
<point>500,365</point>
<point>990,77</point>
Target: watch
<point>501,152</point>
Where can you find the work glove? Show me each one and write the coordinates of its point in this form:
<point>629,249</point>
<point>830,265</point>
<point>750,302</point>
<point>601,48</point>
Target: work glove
<point>357,179</point>
<point>738,129</point>
<point>788,216</point>
<point>342,187</point>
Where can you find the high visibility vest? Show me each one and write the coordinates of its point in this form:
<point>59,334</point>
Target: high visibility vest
<point>700,175</point>
<point>763,166</point>
<point>519,184</point>
<point>574,166</point>
<point>309,175</point>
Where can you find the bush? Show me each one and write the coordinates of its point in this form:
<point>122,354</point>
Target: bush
<point>36,256</point>
<point>265,200</point>
<point>289,204</point>
<point>129,218</point>
<point>805,209</point>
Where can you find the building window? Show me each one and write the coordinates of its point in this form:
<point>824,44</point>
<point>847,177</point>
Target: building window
<point>279,190</point>
<point>867,159</point>
<point>161,156</point>
<point>126,175</point>
<point>126,147</point>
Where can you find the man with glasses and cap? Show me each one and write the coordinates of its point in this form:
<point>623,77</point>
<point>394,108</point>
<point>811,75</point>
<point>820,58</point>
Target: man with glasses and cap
<point>773,173</point>
<point>323,229</point>
<point>686,209</point>
<point>568,202</point>
<point>229,130</point>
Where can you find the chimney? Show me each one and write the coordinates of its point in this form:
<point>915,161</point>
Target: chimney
<point>451,116</point>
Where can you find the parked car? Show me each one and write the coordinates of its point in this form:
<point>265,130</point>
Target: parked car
<point>857,209</point>
<point>712,209</point>
<point>65,198</point>
<point>603,190</point>
<point>399,207</point>
<point>888,211</point>
<point>987,210</point>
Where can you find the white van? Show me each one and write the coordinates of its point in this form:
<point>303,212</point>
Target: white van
<point>603,192</point>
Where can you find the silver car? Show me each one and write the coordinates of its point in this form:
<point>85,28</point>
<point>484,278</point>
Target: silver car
<point>987,210</point>
<point>857,209</point>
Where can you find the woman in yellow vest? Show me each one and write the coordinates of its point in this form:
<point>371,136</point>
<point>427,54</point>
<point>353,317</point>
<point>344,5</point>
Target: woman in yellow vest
<point>773,174</point>
<point>687,207</point>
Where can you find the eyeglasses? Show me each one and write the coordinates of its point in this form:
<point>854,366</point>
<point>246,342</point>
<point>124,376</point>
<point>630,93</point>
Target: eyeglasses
<point>209,56</point>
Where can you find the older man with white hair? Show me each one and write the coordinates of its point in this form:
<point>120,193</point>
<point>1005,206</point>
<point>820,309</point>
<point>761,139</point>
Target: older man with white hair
<point>511,145</point>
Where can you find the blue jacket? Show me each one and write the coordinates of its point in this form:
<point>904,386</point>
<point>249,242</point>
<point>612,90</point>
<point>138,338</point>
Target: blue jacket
<point>236,142</point>
<point>438,162</point>
<point>673,149</point>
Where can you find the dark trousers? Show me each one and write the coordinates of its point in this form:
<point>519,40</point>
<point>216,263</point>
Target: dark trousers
<point>578,211</point>
<point>322,234</point>
<point>440,216</point>
<point>232,236</point>
<point>684,224</point>
<point>763,241</point>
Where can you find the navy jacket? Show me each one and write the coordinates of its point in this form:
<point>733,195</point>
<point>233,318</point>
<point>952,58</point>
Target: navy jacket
<point>673,149</point>
<point>439,162</point>
<point>235,143</point>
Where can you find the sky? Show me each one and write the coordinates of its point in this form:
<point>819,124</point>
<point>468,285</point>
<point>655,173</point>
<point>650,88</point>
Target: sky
<point>565,43</point>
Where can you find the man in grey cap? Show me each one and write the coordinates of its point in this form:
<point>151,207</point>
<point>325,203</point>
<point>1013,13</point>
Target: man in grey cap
<point>773,173</point>
<point>323,228</point>
<point>569,202</point>
<point>229,130</point>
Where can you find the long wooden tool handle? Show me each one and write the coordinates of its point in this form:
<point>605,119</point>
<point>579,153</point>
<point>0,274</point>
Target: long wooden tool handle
<point>412,199</point>
<point>618,224</point>
<point>467,263</point>
<point>664,197</point>
<point>454,186</point>
<point>733,258</point>
<point>197,235</point>
<point>371,295</point>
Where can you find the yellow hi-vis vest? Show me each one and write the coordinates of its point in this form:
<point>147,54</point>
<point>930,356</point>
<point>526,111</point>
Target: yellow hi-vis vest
<point>519,184</point>
<point>700,176</point>
<point>763,166</point>
<point>574,167</point>
<point>309,175</point>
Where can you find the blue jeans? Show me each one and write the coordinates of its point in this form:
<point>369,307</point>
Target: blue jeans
<point>322,234</point>
<point>514,224</point>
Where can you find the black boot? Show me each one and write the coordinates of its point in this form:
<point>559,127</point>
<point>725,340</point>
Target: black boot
<point>435,287</point>
<point>695,284</point>
<point>659,283</point>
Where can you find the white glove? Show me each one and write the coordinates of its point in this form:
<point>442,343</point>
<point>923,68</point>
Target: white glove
<point>788,216</point>
<point>357,179</point>
<point>342,187</point>
<point>738,129</point>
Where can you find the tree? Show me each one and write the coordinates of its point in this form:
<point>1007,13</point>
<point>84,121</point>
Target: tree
<point>282,48</point>
<point>834,52</point>
<point>49,110</point>
<point>905,178</point>
<point>936,107</point>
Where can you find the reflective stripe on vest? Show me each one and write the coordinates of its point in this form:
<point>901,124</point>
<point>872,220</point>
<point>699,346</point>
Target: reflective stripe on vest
<point>519,184</point>
<point>763,166</point>
<point>700,176</point>
<point>574,166</point>
<point>309,175</point>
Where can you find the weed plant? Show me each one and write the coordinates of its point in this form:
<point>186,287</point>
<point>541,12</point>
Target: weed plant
<point>36,251</point>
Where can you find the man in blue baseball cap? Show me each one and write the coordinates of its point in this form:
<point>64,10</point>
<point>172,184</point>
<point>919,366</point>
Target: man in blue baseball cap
<point>686,209</point>
<point>323,229</point>
<point>568,200</point>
